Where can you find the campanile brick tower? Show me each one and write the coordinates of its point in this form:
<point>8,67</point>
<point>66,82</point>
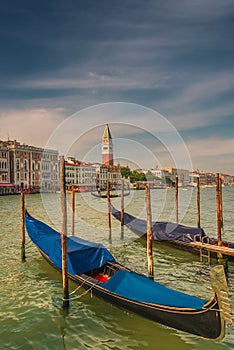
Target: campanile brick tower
<point>107,147</point>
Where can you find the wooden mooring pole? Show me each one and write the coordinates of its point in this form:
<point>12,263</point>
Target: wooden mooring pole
<point>108,208</point>
<point>221,205</point>
<point>122,209</point>
<point>149,232</point>
<point>177,200</point>
<point>64,232</point>
<point>221,260</point>
<point>218,207</point>
<point>22,209</point>
<point>198,203</point>
<point>73,212</point>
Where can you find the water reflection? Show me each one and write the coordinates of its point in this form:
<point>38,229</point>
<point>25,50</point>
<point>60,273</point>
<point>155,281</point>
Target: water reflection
<point>31,320</point>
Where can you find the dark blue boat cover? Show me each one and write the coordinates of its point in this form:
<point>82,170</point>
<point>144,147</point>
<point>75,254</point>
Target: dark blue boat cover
<point>161,230</point>
<point>140,288</point>
<point>82,255</point>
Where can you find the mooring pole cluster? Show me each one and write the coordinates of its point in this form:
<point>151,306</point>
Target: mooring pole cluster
<point>148,214</point>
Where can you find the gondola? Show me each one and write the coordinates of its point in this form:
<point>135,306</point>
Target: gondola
<point>77,190</point>
<point>112,195</point>
<point>104,195</point>
<point>192,239</point>
<point>93,267</point>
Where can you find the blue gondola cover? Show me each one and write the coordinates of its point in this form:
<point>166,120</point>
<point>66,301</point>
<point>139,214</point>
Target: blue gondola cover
<point>161,230</point>
<point>83,255</point>
<point>140,288</point>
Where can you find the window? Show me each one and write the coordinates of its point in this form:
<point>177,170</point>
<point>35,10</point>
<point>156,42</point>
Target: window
<point>17,164</point>
<point>25,165</point>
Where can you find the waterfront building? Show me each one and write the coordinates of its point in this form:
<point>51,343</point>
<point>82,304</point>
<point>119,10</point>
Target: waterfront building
<point>183,176</point>
<point>226,179</point>
<point>5,186</point>
<point>209,179</point>
<point>107,147</point>
<point>79,175</point>
<point>105,174</point>
<point>4,164</point>
<point>206,179</point>
<point>160,173</point>
<point>193,178</point>
<point>101,176</point>
<point>49,170</point>
<point>115,177</point>
<point>32,168</point>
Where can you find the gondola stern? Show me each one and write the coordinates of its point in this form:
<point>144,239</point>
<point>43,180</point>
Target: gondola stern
<point>220,287</point>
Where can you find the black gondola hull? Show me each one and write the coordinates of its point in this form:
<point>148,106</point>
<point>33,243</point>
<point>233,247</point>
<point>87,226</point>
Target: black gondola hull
<point>206,323</point>
<point>112,195</point>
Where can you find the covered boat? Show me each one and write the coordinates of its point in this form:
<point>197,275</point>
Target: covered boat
<point>94,267</point>
<point>113,194</point>
<point>179,236</point>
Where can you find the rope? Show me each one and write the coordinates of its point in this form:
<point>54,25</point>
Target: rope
<point>78,296</point>
<point>219,310</point>
<point>80,286</point>
<point>27,245</point>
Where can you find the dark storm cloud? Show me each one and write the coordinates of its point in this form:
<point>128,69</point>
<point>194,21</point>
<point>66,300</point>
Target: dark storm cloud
<point>174,56</point>
<point>56,38</point>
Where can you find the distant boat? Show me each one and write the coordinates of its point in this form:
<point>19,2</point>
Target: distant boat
<point>112,194</point>
<point>78,190</point>
<point>93,267</point>
<point>191,239</point>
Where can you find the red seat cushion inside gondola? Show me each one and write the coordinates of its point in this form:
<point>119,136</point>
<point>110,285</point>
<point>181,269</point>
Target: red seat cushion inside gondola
<point>100,277</point>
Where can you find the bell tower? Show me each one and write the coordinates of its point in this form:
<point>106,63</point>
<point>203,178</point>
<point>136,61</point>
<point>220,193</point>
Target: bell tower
<point>107,147</point>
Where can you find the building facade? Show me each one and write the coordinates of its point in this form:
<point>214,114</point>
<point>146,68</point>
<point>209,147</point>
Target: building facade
<point>4,164</point>
<point>182,174</point>
<point>226,179</point>
<point>49,170</point>
<point>80,176</point>
<point>106,174</point>
<point>209,179</point>
<point>32,168</point>
<point>6,187</point>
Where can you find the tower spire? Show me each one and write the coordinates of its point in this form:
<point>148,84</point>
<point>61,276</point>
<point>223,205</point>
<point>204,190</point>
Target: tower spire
<point>107,147</point>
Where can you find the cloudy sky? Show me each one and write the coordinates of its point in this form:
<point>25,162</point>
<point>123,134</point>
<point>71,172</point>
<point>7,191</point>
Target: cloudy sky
<point>174,57</point>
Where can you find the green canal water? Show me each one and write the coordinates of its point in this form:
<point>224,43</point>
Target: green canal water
<point>31,312</point>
